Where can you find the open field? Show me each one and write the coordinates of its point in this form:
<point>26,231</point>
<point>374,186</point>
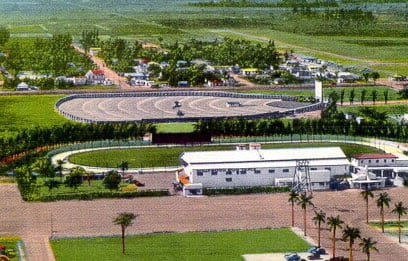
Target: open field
<point>381,47</point>
<point>162,157</point>
<point>226,245</point>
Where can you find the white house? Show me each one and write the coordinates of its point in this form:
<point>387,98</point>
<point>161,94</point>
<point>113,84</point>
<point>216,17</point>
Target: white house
<point>381,164</point>
<point>261,167</point>
<point>95,76</point>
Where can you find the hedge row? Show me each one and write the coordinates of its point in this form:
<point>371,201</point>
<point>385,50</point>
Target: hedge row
<point>243,190</point>
<point>97,195</point>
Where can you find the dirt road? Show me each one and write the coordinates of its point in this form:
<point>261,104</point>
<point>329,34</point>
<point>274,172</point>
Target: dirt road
<point>35,222</point>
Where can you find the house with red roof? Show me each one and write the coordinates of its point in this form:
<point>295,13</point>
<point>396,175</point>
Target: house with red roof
<point>381,164</point>
<point>95,76</point>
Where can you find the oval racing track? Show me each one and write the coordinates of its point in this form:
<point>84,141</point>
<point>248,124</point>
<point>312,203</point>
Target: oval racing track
<point>153,107</point>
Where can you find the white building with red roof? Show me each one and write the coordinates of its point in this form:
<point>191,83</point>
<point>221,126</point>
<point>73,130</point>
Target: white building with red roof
<point>95,76</point>
<point>381,164</point>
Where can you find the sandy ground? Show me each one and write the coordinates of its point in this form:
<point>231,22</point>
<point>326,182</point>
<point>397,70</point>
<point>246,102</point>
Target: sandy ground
<point>36,222</point>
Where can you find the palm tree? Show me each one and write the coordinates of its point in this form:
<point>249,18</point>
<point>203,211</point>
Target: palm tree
<point>334,223</point>
<point>293,198</point>
<point>124,219</point>
<point>383,200</point>
<point>318,219</point>
<point>366,194</point>
<point>400,210</point>
<point>374,94</point>
<point>351,234</point>
<point>60,168</point>
<point>304,201</point>
<point>367,244</point>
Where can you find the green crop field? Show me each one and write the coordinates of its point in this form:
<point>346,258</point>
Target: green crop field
<point>220,246</point>
<point>377,42</point>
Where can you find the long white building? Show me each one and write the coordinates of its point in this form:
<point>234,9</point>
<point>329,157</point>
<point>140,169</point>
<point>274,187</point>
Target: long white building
<point>259,167</point>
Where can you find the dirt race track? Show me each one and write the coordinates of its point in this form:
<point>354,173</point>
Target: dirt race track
<point>163,107</point>
<point>35,222</point>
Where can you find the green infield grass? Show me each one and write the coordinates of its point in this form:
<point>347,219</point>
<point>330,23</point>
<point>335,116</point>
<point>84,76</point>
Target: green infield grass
<point>205,246</point>
<point>175,127</point>
<point>168,156</point>
<point>391,226</point>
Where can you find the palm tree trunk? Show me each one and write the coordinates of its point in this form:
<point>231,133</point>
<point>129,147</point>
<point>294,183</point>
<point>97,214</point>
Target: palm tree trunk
<point>399,228</point>
<point>334,243</point>
<point>350,251</point>
<point>293,215</point>
<point>318,236</point>
<point>382,219</point>
<point>304,221</point>
<point>123,239</point>
<point>367,211</point>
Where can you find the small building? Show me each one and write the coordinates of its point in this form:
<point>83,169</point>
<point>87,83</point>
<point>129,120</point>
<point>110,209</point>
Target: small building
<point>262,167</point>
<point>381,164</point>
<point>233,104</point>
<point>22,86</point>
<point>95,76</point>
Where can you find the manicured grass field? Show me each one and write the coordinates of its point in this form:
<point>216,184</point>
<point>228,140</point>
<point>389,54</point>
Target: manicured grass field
<point>175,127</point>
<point>391,109</point>
<point>26,111</point>
<point>162,157</point>
<point>205,246</point>
<point>391,226</point>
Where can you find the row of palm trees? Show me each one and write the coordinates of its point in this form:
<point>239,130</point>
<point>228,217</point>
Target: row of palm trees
<point>349,233</point>
<point>383,200</point>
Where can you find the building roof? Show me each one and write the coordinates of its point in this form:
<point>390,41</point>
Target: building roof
<point>374,156</point>
<point>265,157</point>
<point>98,72</point>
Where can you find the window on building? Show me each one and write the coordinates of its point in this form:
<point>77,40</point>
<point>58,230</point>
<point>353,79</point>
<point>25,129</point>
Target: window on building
<point>327,168</point>
<point>257,171</point>
<point>369,161</point>
<point>214,172</point>
<point>392,160</point>
<point>285,170</point>
<point>361,161</point>
<point>271,171</point>
<point>313,168</point>
<point>242,171</point>
<point>228,172</point>
<point>200,173</point>
<point>228,179</point>
<point>385,161</point>
<point>377,161</point>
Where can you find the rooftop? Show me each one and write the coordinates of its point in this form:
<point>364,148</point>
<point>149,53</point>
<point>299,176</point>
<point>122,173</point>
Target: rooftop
<point>374,156</point>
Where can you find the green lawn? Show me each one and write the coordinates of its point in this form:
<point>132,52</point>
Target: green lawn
<point>175,127</point>
<point>162,157</point>
<point>26,111</point>
<point>391,226</point>
<point>206,246</point>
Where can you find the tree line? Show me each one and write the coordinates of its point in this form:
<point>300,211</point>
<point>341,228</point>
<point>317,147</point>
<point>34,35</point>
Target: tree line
<point>28,140</point>
<point>333,123</point>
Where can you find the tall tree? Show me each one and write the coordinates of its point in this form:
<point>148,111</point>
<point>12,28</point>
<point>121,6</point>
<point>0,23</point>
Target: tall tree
<point>4,35</point>
<point>400,210</point>
<point>367,244</point>
<point>385,96</point>
<point>351,97</point>
<point>304,201</point>
<point>319,219</point>
<point>375,76</point>
<point>363,96</point>
<point>293,198</point>
<point>366,194</point>
<point>125,220</point>
<point>383,200</point>
<point>334,223</point>
<point>374,94</point>
<point>124,165</point>
<point>351,234</point>
<point>59,168</point>
<point>342,94</point>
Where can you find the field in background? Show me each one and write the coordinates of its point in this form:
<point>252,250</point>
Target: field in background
<point>170,21</point>
<point>219,246</point>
